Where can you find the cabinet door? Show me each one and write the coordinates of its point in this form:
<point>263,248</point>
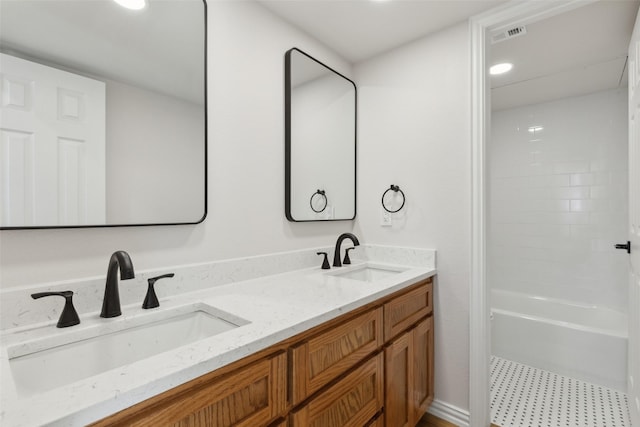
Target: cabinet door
<point>422,349</point>
<point>249,397</point>
<point>350,402</point>
<point>398,381</point>
<point>403,311</point>
<point>409,376</point>
<point>326,356</point>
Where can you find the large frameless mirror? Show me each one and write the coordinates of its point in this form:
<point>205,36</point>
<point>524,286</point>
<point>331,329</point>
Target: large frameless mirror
<point>103,113</point>
<point>320,141</point>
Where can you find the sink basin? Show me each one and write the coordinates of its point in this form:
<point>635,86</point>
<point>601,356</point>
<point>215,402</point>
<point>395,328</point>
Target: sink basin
<point>369,273</point>
<point>133,339</point>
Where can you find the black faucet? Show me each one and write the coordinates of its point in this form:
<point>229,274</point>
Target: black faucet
<point>336,253</point>
<point>111,301</point>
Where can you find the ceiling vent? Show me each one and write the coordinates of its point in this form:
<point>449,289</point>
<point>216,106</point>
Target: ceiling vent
<point>508,34</point>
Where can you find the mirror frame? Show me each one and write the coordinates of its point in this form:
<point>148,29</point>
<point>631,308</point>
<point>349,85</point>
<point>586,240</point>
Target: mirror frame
<point>287,138</point>
<point>206,180</point>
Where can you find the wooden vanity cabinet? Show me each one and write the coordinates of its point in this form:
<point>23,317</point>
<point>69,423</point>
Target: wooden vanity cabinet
<point>371,367</point>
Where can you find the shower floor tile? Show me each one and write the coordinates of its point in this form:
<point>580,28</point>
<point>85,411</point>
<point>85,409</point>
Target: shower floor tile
<point>523,396</point>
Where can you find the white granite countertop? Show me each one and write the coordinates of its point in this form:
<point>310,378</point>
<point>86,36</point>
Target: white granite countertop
<point>276,307</point>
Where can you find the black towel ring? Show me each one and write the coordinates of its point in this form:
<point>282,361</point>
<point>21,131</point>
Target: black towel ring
<point>395,189</point>
<point>323,195</point>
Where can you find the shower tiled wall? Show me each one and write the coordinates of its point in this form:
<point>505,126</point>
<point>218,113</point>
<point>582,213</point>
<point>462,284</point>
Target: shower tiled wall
<point>558,199</point>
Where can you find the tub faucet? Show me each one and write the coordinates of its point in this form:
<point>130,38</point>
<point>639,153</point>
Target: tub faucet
<point>111,302</point>
<point>336,253</point>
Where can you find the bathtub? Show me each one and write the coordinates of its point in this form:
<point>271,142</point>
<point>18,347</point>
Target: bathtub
<point>579,341</point>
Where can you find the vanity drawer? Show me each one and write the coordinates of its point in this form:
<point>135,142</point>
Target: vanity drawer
<point>378,422</point>
<point>324,357</point>
<point>403,311</point>
<point>252,396</point>
<point>280,423</point>
<point>350,402</point>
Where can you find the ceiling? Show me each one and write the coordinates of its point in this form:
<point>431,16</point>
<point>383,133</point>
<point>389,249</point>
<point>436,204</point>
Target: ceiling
<point>578,52</point>
<point>360,29</point>
<point>570,54</point>
<point>575,53</point>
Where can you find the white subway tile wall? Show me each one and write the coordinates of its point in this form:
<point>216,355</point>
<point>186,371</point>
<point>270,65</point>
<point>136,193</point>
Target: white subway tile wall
<point>558,199</point>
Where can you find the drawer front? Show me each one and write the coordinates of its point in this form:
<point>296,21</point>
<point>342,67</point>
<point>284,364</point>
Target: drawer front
<point>280,423</point>
<point>378,422</point>
<point>250,397</point>
<point>351,402</point>
<point>405,310</point>
<point>326,356</point>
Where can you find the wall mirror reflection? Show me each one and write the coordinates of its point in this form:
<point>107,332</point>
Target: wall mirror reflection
<point>102,113</point>
<point>320,141</point>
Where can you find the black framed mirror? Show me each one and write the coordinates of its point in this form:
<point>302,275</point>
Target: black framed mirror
<point>103,113</point>
<point>320,141</point>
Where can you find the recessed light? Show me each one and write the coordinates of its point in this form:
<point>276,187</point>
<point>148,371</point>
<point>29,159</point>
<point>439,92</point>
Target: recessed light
<point>502,68</point>
<point>132,4</point>
<point>535,129</point>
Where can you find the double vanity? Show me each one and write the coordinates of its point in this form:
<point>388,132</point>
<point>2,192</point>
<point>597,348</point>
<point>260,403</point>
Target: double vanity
<point>346,346</point>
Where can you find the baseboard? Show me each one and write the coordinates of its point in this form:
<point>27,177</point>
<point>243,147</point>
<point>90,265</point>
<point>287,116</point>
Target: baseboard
<point>450,413</point>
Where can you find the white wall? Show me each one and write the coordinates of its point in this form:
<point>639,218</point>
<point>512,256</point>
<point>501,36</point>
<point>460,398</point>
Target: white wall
<point>154,154</point>
<point>413,127</point>
<point>246,168</point>
<point>559,199</point>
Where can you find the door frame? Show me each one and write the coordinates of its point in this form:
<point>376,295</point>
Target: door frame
<point>480,26</point>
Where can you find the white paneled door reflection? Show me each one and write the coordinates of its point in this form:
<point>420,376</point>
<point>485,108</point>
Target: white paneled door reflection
<point>52,146</point>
